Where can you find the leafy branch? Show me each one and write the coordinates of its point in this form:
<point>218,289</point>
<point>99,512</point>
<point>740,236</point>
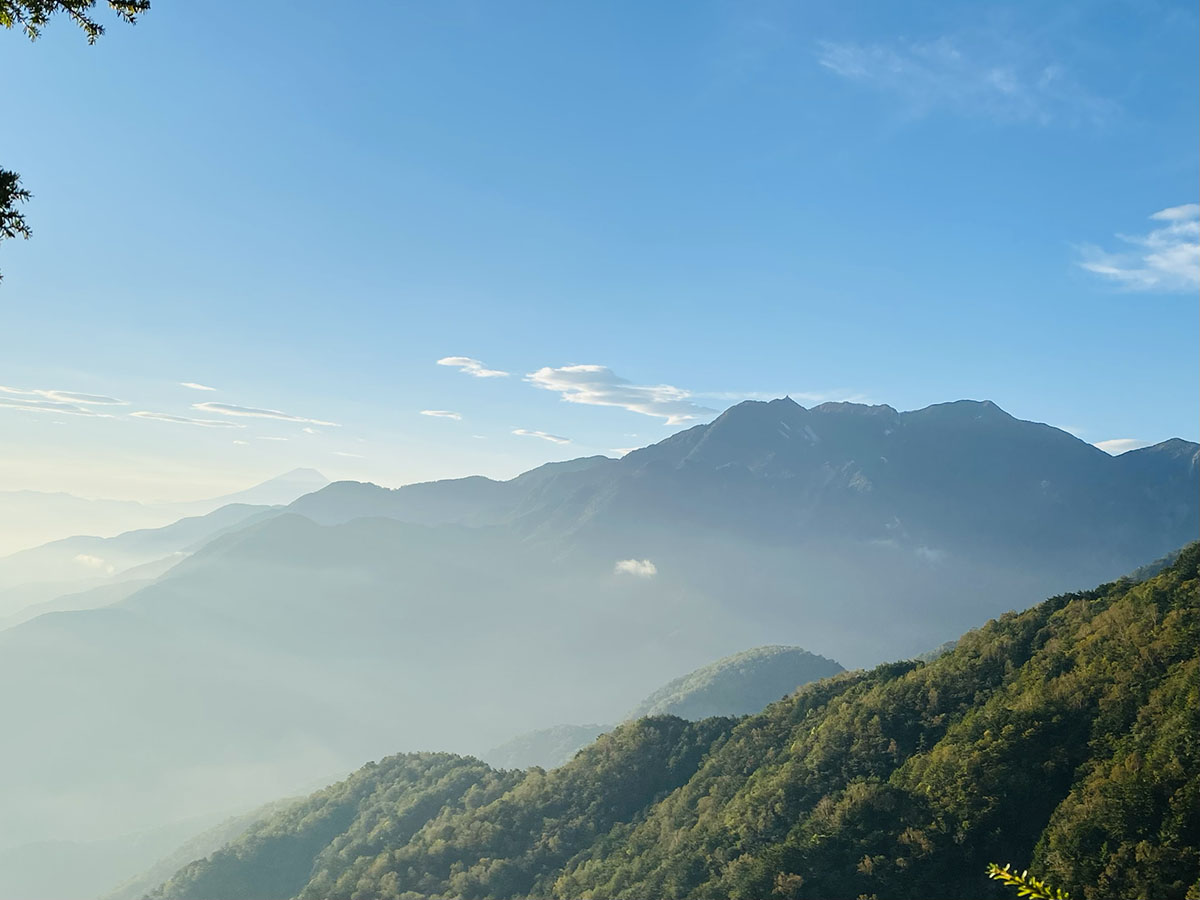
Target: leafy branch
<point>32,15</point>
<point>1026,884</point>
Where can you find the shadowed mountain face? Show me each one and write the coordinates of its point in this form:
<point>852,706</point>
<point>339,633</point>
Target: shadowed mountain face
<point>455,614</point>
<point>955,478</point>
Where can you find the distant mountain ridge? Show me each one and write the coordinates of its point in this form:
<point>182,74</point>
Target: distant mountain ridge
<point>32,518</point>
<point>961,475</point>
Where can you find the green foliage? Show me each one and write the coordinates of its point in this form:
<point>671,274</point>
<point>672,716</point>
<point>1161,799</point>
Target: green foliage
<point>32,15</point>
<point>1064,734</point>
<point>1026,884</point>
<point>12,220</point>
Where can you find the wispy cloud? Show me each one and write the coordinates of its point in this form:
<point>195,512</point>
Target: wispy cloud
<point>228,409</point>
<point>1167,258</point>
<point>185,420</point>
<point>268,437</point>
<point>553,438</point>
<point>1117,446</point>
<point>984,75</point>
<point>441,414</point>
<point>50,406</point>
<point>196,387</point>
<point>347,454</point>
<point>471,367</point>
<point>640,568</point>
<point>600,386</point>
<point>72,403</point>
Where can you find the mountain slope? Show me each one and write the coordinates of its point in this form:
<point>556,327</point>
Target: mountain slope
<point>44,574</point>
<point>737,685</point>
<point>1063,735</point>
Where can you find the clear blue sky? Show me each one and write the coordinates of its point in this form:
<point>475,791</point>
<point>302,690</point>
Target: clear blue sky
<point>903,203</point>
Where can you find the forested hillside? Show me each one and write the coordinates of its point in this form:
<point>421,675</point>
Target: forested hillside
<point>737,685</point>
<point>1063,737</point>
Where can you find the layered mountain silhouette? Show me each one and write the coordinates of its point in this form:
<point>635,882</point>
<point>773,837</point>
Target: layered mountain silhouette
<point>452,615</point>
<point>31,518</point>
<point>737,685</point>
<point>954,477</point>
<point>1064,735</point>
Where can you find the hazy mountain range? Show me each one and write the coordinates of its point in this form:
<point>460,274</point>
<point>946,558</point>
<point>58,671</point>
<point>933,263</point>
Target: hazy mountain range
<point>733,686</point>
<point>31,518</point>
<point>452,615</point>
<point>1063,736</point>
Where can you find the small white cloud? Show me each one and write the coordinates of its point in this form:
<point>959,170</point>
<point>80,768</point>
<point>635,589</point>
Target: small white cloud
<point>184,420</point>
<point>228,409</point>
<point>196,387</point>
<point>265,437</point>
<point>242,443</point>
<point>640,568</point>
<point>622,451</point>
<point>308,429</point>
<point>553,438</point>
<point>95,562</point>
<point>1166,258</point>
<point>441,414</point>
<point>1117,446</point>
<point>931,554</point>
<point>599,386</point>
<point>350,455</point>
<point>471,367</point>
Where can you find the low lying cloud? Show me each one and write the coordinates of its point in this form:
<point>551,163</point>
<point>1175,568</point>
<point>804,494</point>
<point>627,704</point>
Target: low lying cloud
<point>228,409</point>
<point>600,386</point>
<point>196,387</point>
<point>441,414</point>
<point>184,420</point>
<point>95,562</point>
<point>471,367</point>
<point>639,568</point>
<point>1167,258</point>
<point>553,438</point>
<point>1117,446</point>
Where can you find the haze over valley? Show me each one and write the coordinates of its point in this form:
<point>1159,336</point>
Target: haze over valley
<point>514,450</point>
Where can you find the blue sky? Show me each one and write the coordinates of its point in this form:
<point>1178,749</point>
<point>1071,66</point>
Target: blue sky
<point>700,202</point>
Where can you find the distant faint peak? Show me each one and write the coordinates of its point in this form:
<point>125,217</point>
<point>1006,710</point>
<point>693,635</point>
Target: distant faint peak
<point>301,475</point>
